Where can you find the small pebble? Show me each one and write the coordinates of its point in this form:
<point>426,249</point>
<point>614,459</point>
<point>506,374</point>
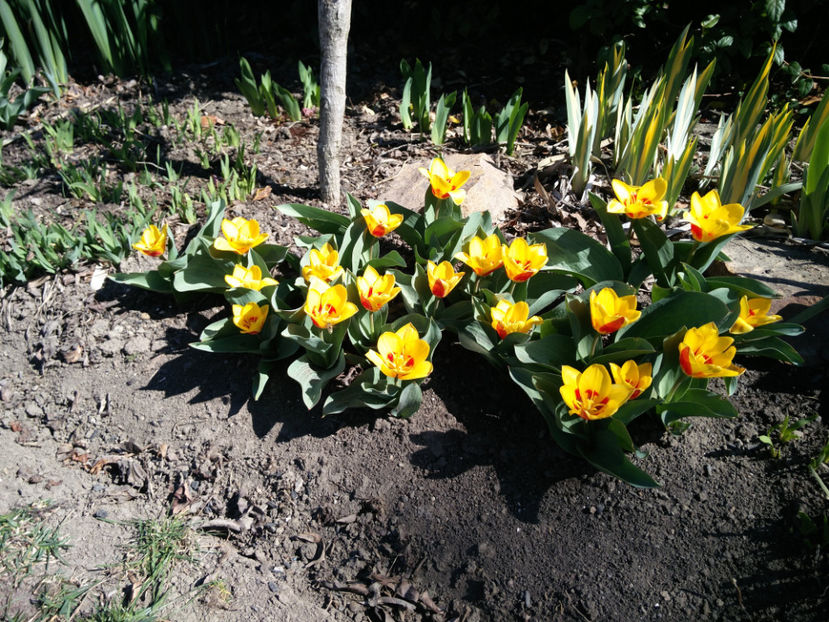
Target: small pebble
<point>100,514</point>
<point>273,587</point>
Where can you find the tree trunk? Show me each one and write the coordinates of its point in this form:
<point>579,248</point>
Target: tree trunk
<point>334,20</point>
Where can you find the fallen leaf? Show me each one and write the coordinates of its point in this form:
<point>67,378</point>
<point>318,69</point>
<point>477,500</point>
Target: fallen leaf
<point>262,193</point>
<point>210,119</point>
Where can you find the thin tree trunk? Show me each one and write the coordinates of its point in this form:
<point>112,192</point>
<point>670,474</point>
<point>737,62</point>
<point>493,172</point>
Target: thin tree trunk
<point>334,20</point>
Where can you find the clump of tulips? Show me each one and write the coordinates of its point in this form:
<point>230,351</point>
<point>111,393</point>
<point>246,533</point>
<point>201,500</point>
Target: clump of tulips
<point>566,317</point>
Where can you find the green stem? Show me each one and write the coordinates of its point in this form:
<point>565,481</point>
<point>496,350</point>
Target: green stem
<point>596,341</point>
<point>819,481</point>
<point>675,388</point>
<point>691,254</point>
<point>371,324</point>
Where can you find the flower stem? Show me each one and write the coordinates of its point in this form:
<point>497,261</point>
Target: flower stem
<point>691,254</point>
<point>596,341</point>
<point>674,388</point>
<point>371,323</point>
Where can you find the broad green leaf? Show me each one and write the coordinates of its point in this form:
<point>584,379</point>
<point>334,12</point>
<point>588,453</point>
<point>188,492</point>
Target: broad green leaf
<point>658,250</point>
<point>552,350</point>
<point>409,401</point>
<point>319,219</point>
<point>619,243</point>
<point>605,453</point>
<point>572,252</point>
<point>151,280</point>
<point>312,379</point>
<point>772,347</point>
<point>666,317</point>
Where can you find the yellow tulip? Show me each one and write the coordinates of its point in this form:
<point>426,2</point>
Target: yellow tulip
<point>754,312</point>
<point>637,378</point>
<point>323,264</point>
<point>711,219</point>
<point>483,256</point>
<point>445,182</point>
<point>442,278</point>
<point>327,306</point>
<point>590,394</point>
<point>510,318</point>
<point>402,354</point>
<point>379,221</point>
<point>249,278</point>
<point>639,201</point>
<point>153,242</point>
<point>250,318</point>
<point>240,235</point>
<point>609,311</point>
<point>522,261</point>
<point>704,354</point>
<point>375,290</point>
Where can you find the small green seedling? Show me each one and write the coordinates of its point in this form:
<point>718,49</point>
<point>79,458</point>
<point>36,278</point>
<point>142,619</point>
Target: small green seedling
<point>787,431</point>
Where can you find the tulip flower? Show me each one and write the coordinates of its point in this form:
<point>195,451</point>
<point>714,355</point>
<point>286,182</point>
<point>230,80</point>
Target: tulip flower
<point>711,219</point>
<point>637,378</point>
<point>442,278</point>
<point>250,318</point>
<point>379,221</point>
<point>483,256</point>
<point>609,311</point>
<point>375,290</point>
<point>590,394</point>
<point>510,318</point>
<point>240,235</point>
<point>153,242</point>
<point>446,182</point>
<point>704,354</point>
<point>522,261</point>
<point>639,201</point>
<point>323,264</point>
<point>327,306</point>
<point>754,312</point>
<point>249,278</point>
<point>402,354</point>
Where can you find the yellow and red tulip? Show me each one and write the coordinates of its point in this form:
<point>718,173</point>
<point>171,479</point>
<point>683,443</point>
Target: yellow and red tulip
<point>637,378</point>
<point>442,278</point>
<point>153,241</point>
<point>754,312</point>
<point>250,318</point>
<point>249,278</point>
<point>240,235</point>
<point>522,260</point>
<point>328,305</point>
<point>483,256</point>
<point>402,354</point>
<point>710,219</point>
<point>704,354</point>
<point>323,264</point>
<point>609,311</point>
<point>591,394</point>
<point>379,221</point>
<point>639,201</point>
<point>508,318</point>
<point>375,290</point>
<point>445,182</point>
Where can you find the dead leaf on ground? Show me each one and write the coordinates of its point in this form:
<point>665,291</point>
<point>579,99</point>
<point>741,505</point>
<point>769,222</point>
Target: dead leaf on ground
<point>262,193</point>
<point>211,119</point>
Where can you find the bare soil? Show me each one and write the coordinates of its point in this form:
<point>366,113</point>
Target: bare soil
<point>467,511</point>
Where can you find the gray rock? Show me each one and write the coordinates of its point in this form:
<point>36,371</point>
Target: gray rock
<point>488,188</point>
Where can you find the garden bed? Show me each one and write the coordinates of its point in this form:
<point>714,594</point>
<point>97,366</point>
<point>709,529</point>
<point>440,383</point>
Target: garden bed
<point>107,412</point>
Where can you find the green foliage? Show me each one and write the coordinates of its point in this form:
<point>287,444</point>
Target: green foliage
<point>557,281</point>
<point>310,87</point>
<point>509,120</point>
<point>477,124</point>
<point>415,103</point>
<point>10,110</point>
<point>811,217</point>
<point>263,97</point>
<point>127,34</point>
<point>785,432</point>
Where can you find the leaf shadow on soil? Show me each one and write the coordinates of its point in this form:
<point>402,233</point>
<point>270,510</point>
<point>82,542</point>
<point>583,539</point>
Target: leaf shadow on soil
<point>502,430</point>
